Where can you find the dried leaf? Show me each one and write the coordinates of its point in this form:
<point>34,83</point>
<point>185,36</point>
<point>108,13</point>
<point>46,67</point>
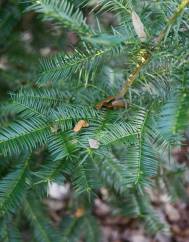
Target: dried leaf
<point>79,125</point>
<point>94,144</point>
<point>138,26</point>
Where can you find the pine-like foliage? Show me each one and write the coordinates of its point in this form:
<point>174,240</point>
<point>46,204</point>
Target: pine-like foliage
<point>109,113</point>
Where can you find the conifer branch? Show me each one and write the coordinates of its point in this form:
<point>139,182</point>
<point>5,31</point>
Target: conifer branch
<point>41,230</point>
<point>129,151</point>
<point>12,188</point>
<point>145,56</point>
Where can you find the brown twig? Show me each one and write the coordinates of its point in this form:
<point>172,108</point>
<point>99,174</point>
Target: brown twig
<point>144,58</point>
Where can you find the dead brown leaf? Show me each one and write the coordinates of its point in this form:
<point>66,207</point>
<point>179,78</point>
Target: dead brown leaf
<point>138,26</point>
<point>80,124</point>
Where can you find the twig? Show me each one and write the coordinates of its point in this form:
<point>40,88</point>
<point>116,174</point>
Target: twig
<point>144,58</point>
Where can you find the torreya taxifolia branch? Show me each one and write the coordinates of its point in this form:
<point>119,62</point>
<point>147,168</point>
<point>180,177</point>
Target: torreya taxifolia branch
<point>145,55</point>
<point>74,152</point>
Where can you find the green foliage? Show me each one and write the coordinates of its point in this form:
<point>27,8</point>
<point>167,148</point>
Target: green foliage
<point>61,67</point>
<point>42,230</point>
<point>63,12</point>
<point>12,188</point>
<point>17,135</point>
<point>127,148</point>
